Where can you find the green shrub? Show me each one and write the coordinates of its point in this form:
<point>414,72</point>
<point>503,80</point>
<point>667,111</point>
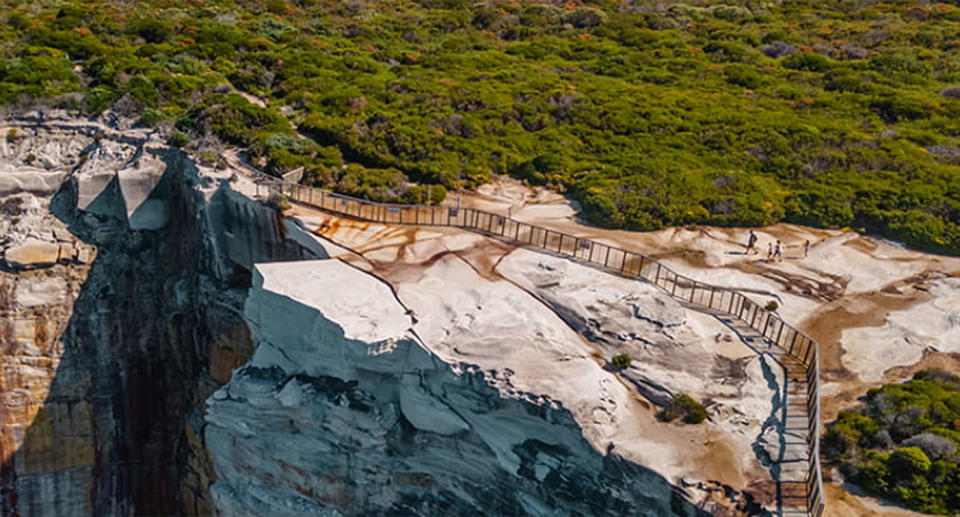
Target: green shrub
<point>684,407</point>
<point>621,361</point>
<point>153,29</point>
<point>771,306</point>
<point>151,117</point>
<point>280,202</point>
<point>900,107</point>
<point>743,75</point>
<point>726,51</point>
<point>881,444</point>
<point>178,139</point>
<point>424,195</point>
<point>808,61</point>
<point>907,462</point>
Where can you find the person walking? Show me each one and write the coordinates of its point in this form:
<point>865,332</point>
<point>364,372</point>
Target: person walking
<point>778,252</point>
<point>752,243</point>
<point>769,251</point>
<point>806,248</point>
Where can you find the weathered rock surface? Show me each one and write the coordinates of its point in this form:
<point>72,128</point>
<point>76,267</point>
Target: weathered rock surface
<point>930,325</point>
<point>32,253</point>
<point>880,311</point>
<point>120,305</point>
<point>541,330</point>
<point>344,411</point>
<point>673,350</point>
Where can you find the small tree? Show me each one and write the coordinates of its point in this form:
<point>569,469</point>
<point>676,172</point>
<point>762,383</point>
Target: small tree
<point>771,306</point>
<point>621,361</point>
<point>12,135</point>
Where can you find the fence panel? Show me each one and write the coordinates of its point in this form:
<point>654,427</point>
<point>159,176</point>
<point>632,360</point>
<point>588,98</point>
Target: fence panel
<point>634,264</point>
<point>582,249</point>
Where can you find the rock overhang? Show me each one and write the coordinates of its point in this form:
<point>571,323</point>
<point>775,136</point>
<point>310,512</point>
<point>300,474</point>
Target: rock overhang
<point>371,312</point>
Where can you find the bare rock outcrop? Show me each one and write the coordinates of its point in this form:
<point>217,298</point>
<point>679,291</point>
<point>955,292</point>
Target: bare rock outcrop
<point>121,289</point>
<point>542,330</point>
<point>445,374</point>
<point>343,410</point>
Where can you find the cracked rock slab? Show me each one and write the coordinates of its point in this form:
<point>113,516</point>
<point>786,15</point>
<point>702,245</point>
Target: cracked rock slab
<point>31,254</point>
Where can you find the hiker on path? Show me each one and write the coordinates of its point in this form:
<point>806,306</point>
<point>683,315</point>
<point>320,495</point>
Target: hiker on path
<point>769,251</point>
<point>752,243</point>
<point>778,252</point>
<point>806,248</point>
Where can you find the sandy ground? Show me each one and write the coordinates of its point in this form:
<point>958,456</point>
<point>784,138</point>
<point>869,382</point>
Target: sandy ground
<point>880,312</point>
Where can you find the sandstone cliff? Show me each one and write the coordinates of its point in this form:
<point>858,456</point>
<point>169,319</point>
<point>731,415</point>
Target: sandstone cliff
<point>438,372</point>
<point>120,294</point>
<point>343,410</point>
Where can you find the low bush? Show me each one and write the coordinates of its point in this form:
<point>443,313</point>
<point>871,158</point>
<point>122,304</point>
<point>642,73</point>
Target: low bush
<point>808,61</point>
<point>902,442</point>
<point>280,201</point>
<point>744,75</point>
<point>178,139</point>
<point>686,408</point>
<point>621,361</point>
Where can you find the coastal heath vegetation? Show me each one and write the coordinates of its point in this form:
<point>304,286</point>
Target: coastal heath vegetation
<point>830,114</point>
<point>902,442</point>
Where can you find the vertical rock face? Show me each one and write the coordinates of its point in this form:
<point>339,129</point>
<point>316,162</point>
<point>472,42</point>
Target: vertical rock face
<point>107,365</point>
<point>342,411</point>
<point>33,307</point>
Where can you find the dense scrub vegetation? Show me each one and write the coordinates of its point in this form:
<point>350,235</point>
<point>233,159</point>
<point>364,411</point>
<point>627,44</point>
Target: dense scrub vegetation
<point>902,442</point>
<point>650,113</point>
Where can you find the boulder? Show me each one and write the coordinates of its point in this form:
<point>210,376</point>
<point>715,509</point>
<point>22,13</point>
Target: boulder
<point>31,254</point>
